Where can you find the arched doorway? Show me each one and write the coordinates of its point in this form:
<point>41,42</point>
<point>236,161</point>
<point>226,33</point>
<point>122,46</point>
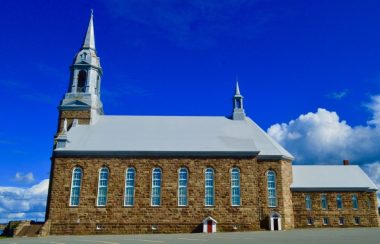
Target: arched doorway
<point>275,221</point>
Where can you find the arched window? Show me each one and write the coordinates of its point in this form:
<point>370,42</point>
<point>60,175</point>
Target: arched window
<point>182,186</point>
<point>129,187</point>
<point>82,78</point>
<point>156,187</point>
<point>272,194</point>
<point>324,201</point>
<point>209,187</point>
<point>339,202</point>
<point>308,202</point>
<point>355,204</point>
<point>103,187</point>
<point>235,187</point>
<point>76,180</point>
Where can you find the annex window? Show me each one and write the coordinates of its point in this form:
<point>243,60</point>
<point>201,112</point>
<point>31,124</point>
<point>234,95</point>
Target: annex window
<point>355,204</point>
<point>308,201</point>
<point>325,221</point>
<point>310,221</point>
<point>182,186</point>
<point>156,187</point>
<point>103,187</point>
<point>76,180</point>
<point>235,187</point>
<point>272,194</point>
<point>341,221</point>
<point>209,187</point>
<point>82,78</point>
<point>129,197</point>
<point>357,220</point>
<point>339,202</point>
<point>324,201</point>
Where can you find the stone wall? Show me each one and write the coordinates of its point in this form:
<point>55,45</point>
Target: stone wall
<point>366,211</point>
<point>283,170</point>
<point>83,116</point>
<point>115,218</point>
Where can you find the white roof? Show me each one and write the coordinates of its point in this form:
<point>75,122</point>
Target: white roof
<point>178,135</point>
<point>330,177</point>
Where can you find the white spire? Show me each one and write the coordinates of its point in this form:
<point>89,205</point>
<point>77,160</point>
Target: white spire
<point>237,92</point>
<point>89,39</point>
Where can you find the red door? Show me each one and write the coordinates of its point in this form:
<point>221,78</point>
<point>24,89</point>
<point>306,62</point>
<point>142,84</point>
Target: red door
<point>209,226</point>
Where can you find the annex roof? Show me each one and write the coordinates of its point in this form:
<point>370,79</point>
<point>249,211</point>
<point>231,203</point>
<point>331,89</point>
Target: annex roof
<point>171,135</point>
<point>330,178</point>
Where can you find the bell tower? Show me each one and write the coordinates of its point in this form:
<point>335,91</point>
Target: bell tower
<point>81,102</point>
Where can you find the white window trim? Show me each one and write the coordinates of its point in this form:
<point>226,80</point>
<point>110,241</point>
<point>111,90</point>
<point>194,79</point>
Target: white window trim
<point>80,186</point>
<point>327,204</point>
<point>323,221</point>
<point>187,188</point>
<point>356,200</point>
<point>275,189</point>
<point>151,195</point>
<point>97,198</point>
<point>134,187</point>
<point>308,197</point>
<point>232,203</point>
<point>341,201</point>
<point>213,187</point>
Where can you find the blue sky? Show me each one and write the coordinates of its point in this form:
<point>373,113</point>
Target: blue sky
<point>309,71</point>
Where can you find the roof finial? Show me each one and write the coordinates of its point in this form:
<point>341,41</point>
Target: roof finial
<point>89,39</point>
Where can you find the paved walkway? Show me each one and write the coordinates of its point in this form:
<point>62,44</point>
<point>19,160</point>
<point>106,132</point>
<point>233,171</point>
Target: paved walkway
<point>309,236</point>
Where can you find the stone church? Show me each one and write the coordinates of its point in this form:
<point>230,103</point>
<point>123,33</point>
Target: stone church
<point>162,174</point>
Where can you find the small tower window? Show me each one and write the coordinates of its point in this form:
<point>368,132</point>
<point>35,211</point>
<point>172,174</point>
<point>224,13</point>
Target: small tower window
<point>82,77</point>
<point>238,103</point>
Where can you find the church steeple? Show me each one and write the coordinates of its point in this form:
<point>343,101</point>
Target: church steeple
<point>89,39</point>
<point>238,112</point>
<point>84,90</point>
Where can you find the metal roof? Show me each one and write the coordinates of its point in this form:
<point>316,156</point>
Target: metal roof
<point>171,135</point>
<point>330,178</point>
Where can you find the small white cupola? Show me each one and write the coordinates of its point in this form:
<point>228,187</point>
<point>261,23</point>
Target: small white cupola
<point>238,112</point>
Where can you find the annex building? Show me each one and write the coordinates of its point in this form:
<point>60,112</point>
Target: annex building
<point>161,174</point>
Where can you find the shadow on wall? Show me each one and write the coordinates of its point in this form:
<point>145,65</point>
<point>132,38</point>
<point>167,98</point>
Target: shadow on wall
<point>264,223</point>
<point>198,229</point>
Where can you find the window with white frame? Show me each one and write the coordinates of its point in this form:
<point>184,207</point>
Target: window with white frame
<point>235,187</point>
<point>271,187</point>
<point>308,202</point>
<point>325,221</point>
<point>156,187</point>
<point>182,186</point>
<point>339,202</point>
<point>355,204</point>
<point>76,180</point>
<point>324,201</point>
<point>103,187</point>
<point>209,187</point>
<point>129,198</point>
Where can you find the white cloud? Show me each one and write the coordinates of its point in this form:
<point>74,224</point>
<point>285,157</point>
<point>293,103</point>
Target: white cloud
<point>23,203</point>
<point>338,95</point>
<point>24,178</point>
<point>322,137</point>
